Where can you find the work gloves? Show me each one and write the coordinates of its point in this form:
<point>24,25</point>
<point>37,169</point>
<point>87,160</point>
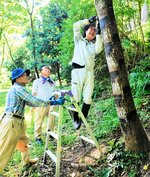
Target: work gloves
<point>59,101</point>
<point>52,97</point>
<point>92,19</point>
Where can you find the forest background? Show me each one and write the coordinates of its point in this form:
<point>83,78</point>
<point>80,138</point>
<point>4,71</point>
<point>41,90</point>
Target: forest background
<point>33,33</point>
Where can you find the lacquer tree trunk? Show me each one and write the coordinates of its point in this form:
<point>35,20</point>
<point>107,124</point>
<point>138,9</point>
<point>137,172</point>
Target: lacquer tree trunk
<point>135,137</point>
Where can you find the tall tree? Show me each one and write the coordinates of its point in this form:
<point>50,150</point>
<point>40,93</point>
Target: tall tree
<point>12,19</point>
<point>131,126</point>
<point>48,34</point>
<point>30,12</point>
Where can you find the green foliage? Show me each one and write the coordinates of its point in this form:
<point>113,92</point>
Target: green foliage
<point>21,57</point>
<point>54,43</point>
<point>104,115</point>
<point>121,159</point>
<point>147,37</point>
<point>64,73</point>
<point>5,79</point>
<point>2,100</point>
<point>101,89</point>
<point>102,84</point>
<point>105,172</point>
<point>139,77</point>
<point>117,160</point>
<point>13,15</point>
<point>47,38</point>
<point>123,11</point>
<point>68,139</point>
<point>83,10</point>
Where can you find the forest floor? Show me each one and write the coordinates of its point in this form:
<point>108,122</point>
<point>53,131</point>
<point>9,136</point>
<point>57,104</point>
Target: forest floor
<point>87,161</point>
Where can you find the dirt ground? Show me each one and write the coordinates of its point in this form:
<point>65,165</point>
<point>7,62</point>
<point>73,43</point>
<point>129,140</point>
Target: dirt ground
<point>76,161</point>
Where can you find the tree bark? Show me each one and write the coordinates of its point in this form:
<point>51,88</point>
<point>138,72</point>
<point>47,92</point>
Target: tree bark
<point>10,52</point>
<point>58,73</point>
<point>135,137</point>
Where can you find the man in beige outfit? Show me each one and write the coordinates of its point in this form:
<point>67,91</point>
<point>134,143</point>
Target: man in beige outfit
<point>12,125</point>
<point>43,88</point>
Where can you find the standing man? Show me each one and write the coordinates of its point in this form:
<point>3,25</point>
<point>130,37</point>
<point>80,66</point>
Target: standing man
<point>42,88</point>
<point>12,126</point>
<point>86,47</point>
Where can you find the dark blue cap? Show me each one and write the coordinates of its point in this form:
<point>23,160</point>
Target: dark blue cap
<point>18,72</point>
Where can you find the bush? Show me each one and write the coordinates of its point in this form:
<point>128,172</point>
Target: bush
<point>139,77</point>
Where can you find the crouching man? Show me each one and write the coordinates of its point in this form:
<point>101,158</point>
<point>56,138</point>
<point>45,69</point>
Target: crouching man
<point>12,126</point>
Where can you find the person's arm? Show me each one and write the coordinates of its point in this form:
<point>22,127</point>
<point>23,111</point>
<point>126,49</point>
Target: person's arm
<point>30,99</point>
<point>98,44</point>
<point>77,26</point>
<point>36,102</point>
<point>99,41</point>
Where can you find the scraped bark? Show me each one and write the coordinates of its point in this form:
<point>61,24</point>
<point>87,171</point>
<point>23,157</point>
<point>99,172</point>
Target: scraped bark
<point>135,136</point>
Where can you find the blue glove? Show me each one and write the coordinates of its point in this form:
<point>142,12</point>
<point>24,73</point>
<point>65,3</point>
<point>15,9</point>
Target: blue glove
<point>59,101</point>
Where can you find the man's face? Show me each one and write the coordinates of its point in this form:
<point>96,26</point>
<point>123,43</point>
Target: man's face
<point>23,79</point>
<point>91,33</point>
<point>45,71</point>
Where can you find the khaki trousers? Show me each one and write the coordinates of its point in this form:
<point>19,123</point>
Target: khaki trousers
<point>13,136</point>
<point>40,114</point>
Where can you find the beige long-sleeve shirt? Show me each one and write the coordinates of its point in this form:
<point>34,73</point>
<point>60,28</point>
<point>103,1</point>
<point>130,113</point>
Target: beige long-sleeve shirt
<point>43,90</point>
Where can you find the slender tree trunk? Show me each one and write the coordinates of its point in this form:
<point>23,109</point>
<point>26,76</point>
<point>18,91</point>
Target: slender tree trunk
<point>122,17</point>
<point>140,26</point>
<point>3,56</point>
<point>128,5</point>
<point>135,137</point>
<point>58,73</point>
<point>30,12</point>
<point>144,12</point>
<point>33,45</point>
<point>10,53</point>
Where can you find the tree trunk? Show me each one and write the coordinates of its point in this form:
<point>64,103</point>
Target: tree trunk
<point>135,137</point>
<point>10,53</point>
<point>139,23</point>
<point>33,45</point>
<point>58,73</point>
<point>144,13</point>
<point>3,56</point>
<point>30,12</point>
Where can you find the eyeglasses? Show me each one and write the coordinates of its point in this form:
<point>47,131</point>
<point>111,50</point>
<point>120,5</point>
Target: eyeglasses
<point>94,29</point>
<point>24,74</point>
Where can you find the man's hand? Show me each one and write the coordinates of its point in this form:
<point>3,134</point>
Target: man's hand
<point>92,19</point>
<point>59,101</point>
<point>52,97</point>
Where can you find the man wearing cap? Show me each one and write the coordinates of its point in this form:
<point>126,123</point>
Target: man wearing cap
<point>43,88</point>
<point>82,76</point>
<point>12,126</point>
